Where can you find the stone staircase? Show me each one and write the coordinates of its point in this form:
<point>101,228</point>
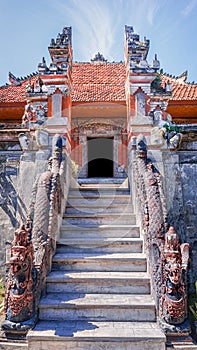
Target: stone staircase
<point>98,293</point>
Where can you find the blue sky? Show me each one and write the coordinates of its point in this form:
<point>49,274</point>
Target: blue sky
<point>27,26</point>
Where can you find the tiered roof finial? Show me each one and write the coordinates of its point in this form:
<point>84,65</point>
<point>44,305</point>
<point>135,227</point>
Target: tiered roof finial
<point>61,54</point>
<point>62,39</point>
<point>137,51</point>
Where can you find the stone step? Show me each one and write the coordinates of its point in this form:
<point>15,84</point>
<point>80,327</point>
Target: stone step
<point>98,245</point>
<point>86,335</point>
<point>96,200</point>
<point>98,181</point>
<point>93,208</point>
<point>100,192</point>
<point>101,187</point>
<point>97,307</point>
<point>98,282</point>
<point>101,231</point>
<point>99,219</point>
<point>180,342</point>
<point>11,344</point>
<point>99,262</point>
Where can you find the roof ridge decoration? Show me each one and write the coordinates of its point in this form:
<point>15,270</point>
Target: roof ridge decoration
<point>99,58</point>
<point>61,54</point>
<point>137,52</point>
<point>183,76</point>
<point>180,78</point>
<point>16,81</point>
<point>62,39</point>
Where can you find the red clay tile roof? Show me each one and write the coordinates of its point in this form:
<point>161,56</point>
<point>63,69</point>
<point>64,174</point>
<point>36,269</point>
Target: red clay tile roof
<point>180,89</point>
<point>91,83</point>
<point>98,82</point>
<point>11,93</point>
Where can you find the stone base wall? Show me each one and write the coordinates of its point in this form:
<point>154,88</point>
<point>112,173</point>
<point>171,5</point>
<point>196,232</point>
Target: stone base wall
<point>181,192</point>
<point>9,169</point>
<point>178,169</point>
<point>180,184</point>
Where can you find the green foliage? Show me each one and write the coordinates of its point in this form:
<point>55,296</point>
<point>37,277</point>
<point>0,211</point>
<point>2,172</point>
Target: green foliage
<point>173,127</point>
<point>192,304</point>
<point>156,83</point>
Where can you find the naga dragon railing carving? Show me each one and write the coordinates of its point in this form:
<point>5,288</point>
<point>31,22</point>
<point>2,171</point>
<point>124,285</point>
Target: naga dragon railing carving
<point>19,299</point>
<point>167,258</point>
<point>34,245</point>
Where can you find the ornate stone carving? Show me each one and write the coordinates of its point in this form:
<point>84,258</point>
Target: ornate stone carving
<point>100,127</point>
<point>62,39</point>
<point>32,248</point>
<point>98,58</point>
<point>137,53</point>
<point>25,141</point>
<point>141,104</point>
<point>139,174</point>
<point>60,53</point>
<point>29,114</point>
<point>173,307</point>
<point>165,128</point>
<point>42,67</point>
<point>35,113</point>
<point>42,138</point>
<point>167,258</point>
<point>19,300</point>
<point>160,117</point>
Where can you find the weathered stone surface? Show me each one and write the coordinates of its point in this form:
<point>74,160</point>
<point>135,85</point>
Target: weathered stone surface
<point>97,335</point>
<point>11,345</point>
<point>9,166</point>
<point>103,262</point>
<point>180,169</point>
<point>106,307</point>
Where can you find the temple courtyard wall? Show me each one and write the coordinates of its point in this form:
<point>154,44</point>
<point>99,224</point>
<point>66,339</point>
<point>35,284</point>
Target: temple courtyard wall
<point>177,167</point>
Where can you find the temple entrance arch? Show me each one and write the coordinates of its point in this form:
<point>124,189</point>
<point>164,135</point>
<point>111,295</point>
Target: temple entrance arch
<point>100,156</point>
<point>99,147</point>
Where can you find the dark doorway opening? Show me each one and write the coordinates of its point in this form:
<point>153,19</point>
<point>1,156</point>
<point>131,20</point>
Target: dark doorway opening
<point>100,157</point>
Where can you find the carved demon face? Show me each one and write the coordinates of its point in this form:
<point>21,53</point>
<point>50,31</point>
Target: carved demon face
<point>18,255</point>
<point>175,273</point>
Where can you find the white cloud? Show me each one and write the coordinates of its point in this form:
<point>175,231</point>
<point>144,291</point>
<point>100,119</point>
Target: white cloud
<point>152,9</point>
<point>188,9</point>
<point>92,24</point>
<point>98,25</point>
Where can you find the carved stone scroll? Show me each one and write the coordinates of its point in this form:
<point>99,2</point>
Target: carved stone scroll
<point>173,307</point>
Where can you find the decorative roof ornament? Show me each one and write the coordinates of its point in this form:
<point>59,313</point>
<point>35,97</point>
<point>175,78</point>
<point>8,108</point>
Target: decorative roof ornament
<point>156,63</point>
<point>42,67</point>
<point>13,80</point>
<point>98,58</point>
<point>62,39</point>
<point>137,52</point>
<point>61,54</point>
<point>182,77</point>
